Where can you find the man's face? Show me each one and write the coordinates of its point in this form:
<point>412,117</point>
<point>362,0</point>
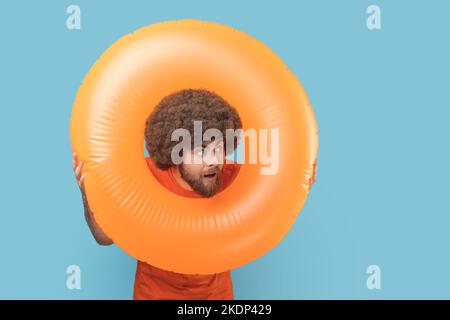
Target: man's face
<point>203,172</point>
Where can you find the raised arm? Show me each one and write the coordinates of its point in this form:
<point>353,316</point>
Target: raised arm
<point>96,231</point>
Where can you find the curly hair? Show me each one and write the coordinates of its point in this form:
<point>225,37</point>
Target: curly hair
<point>180,110</point>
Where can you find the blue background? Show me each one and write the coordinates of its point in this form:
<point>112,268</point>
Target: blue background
<point>381,100</point>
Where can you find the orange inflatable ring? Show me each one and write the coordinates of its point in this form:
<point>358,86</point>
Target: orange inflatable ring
<point>152,224</point>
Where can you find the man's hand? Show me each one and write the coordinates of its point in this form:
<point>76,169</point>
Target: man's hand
<point>97,232</point>
<point>313,176</point>
<point>77,168</point>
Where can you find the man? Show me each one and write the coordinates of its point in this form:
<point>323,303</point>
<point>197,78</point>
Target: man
<point>202,173</point>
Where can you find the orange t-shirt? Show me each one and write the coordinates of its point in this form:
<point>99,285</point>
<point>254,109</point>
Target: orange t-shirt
<point>154,283</point>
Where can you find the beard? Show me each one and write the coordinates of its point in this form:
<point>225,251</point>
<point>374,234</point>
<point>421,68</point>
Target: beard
<point>201,184</point>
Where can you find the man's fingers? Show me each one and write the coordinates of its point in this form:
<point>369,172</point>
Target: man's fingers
<point>83,176</point>
<point>77,166</point>
<point>78,169</point>
<point>313,178</point>
<point>74,160</point>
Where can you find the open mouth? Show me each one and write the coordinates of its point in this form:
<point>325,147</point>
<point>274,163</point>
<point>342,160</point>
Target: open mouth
<point>210,175</point>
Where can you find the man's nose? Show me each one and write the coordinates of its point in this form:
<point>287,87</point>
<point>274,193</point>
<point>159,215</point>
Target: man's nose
<point>210,158</point>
